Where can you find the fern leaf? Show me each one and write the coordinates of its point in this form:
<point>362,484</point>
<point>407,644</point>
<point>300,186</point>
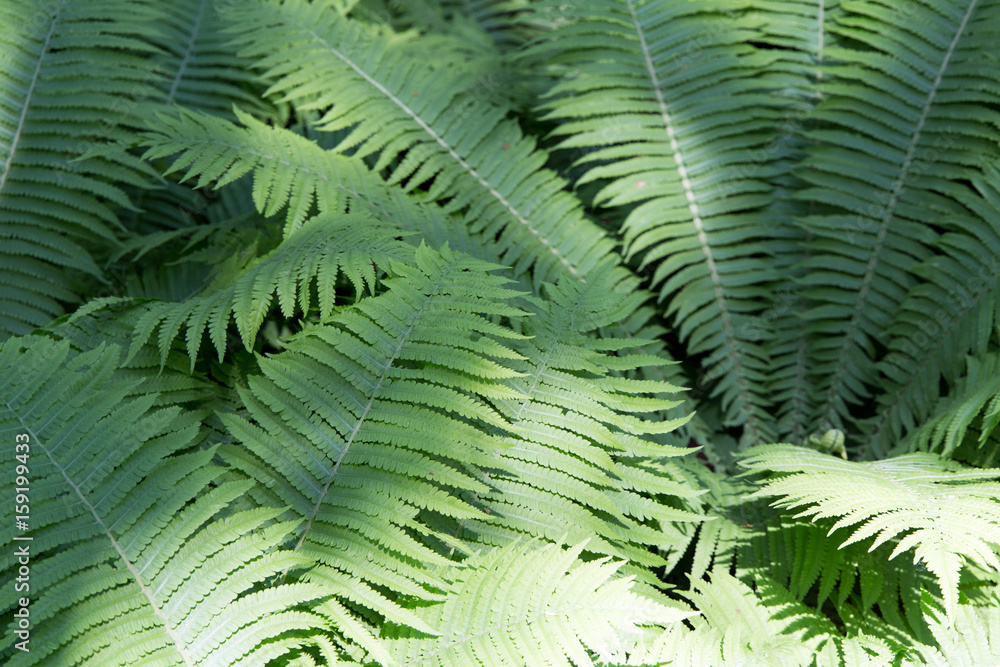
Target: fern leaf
<point>951,313</point>
<point>736,628</point>
<point>311,258</point>
<point>331,182</point>
<point>528,605</point>
<point>969,637</point>
<point>71,65</point>
<point>915,130</point>
<point>362,424</point>
<point>650,114</point>
<point>586,469</point>
<point>974,398</point>
<point>947,513</point>
<point>124,574</point>
<point>203,71</point>
<point>468,153</point>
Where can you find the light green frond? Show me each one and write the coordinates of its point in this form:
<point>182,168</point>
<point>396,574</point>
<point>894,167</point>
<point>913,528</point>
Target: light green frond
<point>363,423</point>
<point>68,71</point>
<point>736,628</point>
<point>120,573</point>
<point>947,513</point>
<point>529,605</point>
<point>586,466</point>
<point>969,637</point>
<point>860,651</point>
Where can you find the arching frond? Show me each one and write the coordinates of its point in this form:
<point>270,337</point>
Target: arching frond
<point>394,104</point>
<point>974,399</point>
<point>308,261</point>
<point>946,512</point>
<point>68,73</point>
<point>970,637</point>
<point>362,423</point>
<point>954,311</point>
<point>798,33</point>
<point>905,114</point>
<point>657,107</point>
<point>119,572</point>
<point>524,604</point>
<point>202,70</point>
<point>583,462</point>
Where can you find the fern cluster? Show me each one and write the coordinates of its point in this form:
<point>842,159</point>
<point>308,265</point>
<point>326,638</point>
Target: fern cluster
<point>571,332</point>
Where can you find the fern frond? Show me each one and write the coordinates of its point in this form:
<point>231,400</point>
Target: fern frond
<point>203,72</point>
<point>311,258</point>
<point>951,313</point>
<point>798,33</point>
<point>860,651</point>
<point>464,150</point>
<point>123,573</point>
<point>506,22</point>
<point>362,423</point>
<point>969,637</point>
<point>294,174</point>
<point>945,512</point>
<point>585,465</point>
<point>736,628</point>
<point>66,76</point>
<point>529,605</point>
<point>895,133</point>
<point>974,399</point>
<point>659,103</point>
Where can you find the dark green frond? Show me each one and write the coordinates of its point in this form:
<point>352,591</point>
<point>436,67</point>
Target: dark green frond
<point>895,129</point>
<point>69,74</point>
<point>952,312</point>
<point>394,104</point>
<point>201,70</point>
<point>656,108</point>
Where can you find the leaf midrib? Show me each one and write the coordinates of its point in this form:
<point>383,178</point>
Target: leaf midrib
<point>5,171</point>
<point>364,413</point>
<point>734,346</point>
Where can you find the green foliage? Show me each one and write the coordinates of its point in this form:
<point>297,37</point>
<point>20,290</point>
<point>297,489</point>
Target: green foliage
<point>951,510</point>
<point>556,611</point>
<point>500,333</point>
<point>124,570</point>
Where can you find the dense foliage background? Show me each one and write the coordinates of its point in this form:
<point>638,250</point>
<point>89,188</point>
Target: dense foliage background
<point>574,332</point>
